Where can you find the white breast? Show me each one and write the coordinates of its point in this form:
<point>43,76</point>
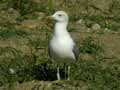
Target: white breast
<point>61,44</point>
<point>62,47</point>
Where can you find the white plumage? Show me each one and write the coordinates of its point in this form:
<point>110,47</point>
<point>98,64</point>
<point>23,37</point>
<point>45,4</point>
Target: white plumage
<point>62,46</point>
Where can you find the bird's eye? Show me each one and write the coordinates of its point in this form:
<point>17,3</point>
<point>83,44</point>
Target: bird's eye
<point>59,15</point>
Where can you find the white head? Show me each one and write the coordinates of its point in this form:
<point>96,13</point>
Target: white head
<point>60,16</point>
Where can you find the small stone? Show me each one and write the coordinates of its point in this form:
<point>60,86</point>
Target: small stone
<point>107,29</point>
<point>96,26</point>
<point>12,71</point>
<point>81,21</point>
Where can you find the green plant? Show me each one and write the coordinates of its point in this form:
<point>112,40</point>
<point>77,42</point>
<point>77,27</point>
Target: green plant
<point>96,76</point>
<point>50,8</point>
<point>90,46</point>
<point>9,30</point>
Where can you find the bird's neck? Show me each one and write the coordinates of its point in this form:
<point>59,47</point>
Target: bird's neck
<point>60,28</point>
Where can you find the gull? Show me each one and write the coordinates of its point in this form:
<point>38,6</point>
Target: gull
<point>61,46</point>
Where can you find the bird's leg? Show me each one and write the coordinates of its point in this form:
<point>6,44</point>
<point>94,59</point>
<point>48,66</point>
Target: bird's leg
<point>58,73</point>
<point>69,67</point>
<point>65,70</point>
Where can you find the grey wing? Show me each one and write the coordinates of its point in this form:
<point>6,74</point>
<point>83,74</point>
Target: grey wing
<point>75,51</point>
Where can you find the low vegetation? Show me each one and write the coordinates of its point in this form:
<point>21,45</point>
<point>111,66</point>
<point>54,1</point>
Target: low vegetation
<point>23,48</point>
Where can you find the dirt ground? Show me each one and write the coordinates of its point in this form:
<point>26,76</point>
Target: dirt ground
<point>25,31</point>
